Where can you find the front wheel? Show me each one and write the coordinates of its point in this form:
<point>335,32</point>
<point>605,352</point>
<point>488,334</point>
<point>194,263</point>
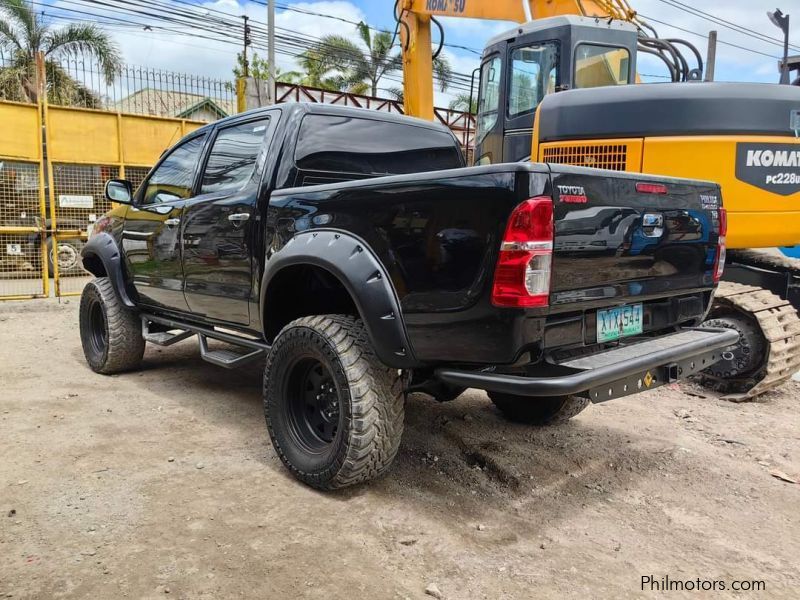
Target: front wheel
<point>333,410</point>
<point>111,334</point>
<point>538,411</point>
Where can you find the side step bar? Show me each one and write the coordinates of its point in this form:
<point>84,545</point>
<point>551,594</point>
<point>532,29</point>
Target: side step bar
<point>227,358</point>
<point>163,338</point>
<point>614,373</point>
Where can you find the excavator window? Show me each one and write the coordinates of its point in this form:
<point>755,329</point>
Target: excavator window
<point>597,66</point>
<point>533,74</point>
<point>489,97</point>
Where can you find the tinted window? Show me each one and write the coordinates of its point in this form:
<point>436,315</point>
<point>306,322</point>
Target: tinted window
<point>172,180</point>
<point>597,66</point>
<point>489,97</point>
<point>368,147</point>
<point>233,156</point>
<point>533,74</point>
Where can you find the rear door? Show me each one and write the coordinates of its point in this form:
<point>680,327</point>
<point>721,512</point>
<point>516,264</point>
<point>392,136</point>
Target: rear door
<point>623,238</point>
<point>151,236</point>
<point>220,223</point>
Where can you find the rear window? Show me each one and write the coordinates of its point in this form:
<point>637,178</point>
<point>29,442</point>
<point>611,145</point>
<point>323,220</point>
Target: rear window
<point>331,143</point>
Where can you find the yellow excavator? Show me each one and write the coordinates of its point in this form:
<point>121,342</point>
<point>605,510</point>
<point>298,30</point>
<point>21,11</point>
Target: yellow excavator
<point>559,88</point>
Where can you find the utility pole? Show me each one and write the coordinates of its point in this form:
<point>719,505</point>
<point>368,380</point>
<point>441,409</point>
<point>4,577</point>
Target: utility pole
<point>271,49</point>
<point>711,57</point>
<point>781,21</point>
<point>247,42</point>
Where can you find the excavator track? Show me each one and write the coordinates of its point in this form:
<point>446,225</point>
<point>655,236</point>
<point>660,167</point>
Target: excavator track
<point>777,321</point>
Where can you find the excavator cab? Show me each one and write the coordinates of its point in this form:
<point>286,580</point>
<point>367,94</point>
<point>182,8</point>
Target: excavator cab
<point>521,66</point>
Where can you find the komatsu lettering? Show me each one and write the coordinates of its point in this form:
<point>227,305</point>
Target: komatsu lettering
<point>770,158</point>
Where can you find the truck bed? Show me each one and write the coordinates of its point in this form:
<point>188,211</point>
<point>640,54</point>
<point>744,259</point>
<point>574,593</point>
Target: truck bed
<point>438,236</point>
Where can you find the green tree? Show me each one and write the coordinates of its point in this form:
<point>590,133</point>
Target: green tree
<point>464,103</point>
<point>23,33</point>
<point>259,68</point>
<point>364,70</point>
<point>320,71</point>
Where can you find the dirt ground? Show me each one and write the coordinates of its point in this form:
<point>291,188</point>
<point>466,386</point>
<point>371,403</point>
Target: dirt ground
<point>163,483</point>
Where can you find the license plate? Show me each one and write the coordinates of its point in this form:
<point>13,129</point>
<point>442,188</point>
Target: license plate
<point>615,323</point>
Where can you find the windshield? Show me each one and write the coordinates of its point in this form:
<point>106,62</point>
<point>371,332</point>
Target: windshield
<point>533,74</point>
<point>489,97</point>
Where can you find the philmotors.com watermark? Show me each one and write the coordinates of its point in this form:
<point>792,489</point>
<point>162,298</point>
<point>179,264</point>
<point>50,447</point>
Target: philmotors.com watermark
<point>665,583</point>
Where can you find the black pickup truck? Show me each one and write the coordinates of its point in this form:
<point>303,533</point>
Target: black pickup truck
<point>353,252</point>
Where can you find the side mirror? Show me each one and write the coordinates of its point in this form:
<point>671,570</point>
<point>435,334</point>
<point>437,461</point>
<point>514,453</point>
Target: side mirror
<point>119,191</point>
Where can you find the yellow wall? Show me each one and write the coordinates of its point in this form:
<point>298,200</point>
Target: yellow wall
<point>77,135</point>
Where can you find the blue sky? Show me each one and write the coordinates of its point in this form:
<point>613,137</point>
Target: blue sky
<point>756,60</point>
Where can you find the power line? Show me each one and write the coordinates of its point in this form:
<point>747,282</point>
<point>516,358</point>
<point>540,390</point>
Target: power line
<point>291,45</point>
<point>725,23</point>
<point>702,35</point>
<point>170,13</point>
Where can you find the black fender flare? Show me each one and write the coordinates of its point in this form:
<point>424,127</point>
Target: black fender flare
<point>360,271</point>
<point>103,247</point>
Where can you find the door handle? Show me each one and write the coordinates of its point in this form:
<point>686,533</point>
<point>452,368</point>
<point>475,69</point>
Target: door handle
<point>172,222</point>
<point>239,217</point>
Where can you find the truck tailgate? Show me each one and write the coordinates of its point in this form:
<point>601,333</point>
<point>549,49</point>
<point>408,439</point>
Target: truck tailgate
<point>623,238</point>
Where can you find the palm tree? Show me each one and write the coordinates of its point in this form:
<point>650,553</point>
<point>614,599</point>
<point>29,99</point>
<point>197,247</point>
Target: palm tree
<point>367,69</point>
<point>258,68</point>
<point>23,34</point>
<point>465,103</point>
<point>320,72</point>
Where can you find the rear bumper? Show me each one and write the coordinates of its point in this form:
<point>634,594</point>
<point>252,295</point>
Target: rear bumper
<point>627,369</point>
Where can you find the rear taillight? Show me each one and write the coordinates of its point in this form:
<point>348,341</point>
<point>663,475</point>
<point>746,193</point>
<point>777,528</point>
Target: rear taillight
<point>651,188</point>
<point>719,263</point>
<point>522,276</point>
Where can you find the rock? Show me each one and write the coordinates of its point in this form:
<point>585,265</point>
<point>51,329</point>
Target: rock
<point>467,417</point>
<point>542,546</point>
<point>481,526</point>
<point>408,542</point>
<point>433,590</point>
<point>682,413</point>
<point>171,459</point>
<point>200,465</point>
<point>12,512</point>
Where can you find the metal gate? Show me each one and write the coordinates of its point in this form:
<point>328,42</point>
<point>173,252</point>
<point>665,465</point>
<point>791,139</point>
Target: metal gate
<point>85,148</point>
<point>23,249</point>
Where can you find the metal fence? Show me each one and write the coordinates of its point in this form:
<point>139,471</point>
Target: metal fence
<point>81,82</point>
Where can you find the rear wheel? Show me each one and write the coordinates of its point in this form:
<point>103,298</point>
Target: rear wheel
<point>111,334</point>
<point>333,410</point>
<point>538,411</point>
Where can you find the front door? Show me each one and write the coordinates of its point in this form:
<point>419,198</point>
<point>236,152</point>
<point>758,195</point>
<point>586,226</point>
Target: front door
<point>220,224</point>
<point>151,237</point>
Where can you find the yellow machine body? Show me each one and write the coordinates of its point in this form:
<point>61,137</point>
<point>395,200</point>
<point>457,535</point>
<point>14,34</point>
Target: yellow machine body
<point>757,218</point>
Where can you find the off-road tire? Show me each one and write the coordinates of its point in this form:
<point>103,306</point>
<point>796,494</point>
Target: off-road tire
<point>111,334</point>
<point>538,411</point>
<point>370,403</point>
